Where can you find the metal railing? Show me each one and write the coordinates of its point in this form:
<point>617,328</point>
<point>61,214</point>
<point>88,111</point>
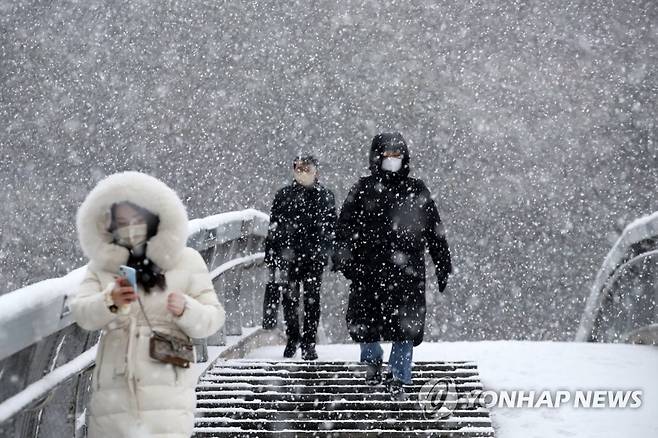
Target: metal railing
<point>46,359</point>
<point>622,306</point>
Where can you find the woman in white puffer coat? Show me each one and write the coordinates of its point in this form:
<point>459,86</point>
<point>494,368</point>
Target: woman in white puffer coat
<point>136,220</point>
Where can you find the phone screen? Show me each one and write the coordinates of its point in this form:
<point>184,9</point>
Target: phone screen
<point>129,274</point>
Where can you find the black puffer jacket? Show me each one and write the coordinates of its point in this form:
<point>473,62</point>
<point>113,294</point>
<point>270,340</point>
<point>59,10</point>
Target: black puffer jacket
<point>302,227</point>
<point>386,223</point>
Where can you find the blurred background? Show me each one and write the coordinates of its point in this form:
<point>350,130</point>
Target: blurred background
<point>533,123</point>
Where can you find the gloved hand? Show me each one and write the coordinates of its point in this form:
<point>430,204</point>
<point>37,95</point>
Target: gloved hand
<point>443,283</point>
<point>269,260</point>
<point>350,271</point>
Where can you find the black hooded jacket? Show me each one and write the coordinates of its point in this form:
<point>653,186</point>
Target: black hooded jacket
<point>386,223</point>
<point>302,227</point>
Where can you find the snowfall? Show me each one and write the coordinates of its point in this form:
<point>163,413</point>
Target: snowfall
<point>540,366</point>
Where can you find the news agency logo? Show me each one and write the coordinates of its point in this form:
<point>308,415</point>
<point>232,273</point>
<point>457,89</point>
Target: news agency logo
<point>438,398</point>
<point>552,399</point>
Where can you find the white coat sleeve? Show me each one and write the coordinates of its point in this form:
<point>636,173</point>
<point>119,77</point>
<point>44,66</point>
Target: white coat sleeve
<point>203,315</point>
<point>89,306</point>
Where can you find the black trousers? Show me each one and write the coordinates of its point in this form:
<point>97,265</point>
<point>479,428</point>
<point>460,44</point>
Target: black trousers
<point>311,283</point>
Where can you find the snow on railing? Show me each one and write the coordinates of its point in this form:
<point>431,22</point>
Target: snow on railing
<point>641,229</point>
<point>223,219</point>
<point>31,314</point>
<point>236,262</point>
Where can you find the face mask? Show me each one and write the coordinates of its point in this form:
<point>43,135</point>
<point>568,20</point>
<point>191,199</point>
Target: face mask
<point>131,236</point>
<point>305,178</point>
<point>392,164</point>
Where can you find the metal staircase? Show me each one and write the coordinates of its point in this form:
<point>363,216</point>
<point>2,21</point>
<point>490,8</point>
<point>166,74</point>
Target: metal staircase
<point>246,398</point>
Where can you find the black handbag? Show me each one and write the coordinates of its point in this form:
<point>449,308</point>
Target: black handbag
<point>271,300</point>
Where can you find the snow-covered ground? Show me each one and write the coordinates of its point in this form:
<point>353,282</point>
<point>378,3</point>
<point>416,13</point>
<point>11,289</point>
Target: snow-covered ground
<point>553,366</point>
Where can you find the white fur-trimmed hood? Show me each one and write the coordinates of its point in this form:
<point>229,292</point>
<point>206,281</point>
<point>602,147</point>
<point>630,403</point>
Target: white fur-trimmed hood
<point>164,249</point>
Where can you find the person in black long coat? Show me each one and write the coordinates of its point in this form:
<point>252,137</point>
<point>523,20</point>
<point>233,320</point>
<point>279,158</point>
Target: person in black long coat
<point>385,225</point>
<point>299,242</point>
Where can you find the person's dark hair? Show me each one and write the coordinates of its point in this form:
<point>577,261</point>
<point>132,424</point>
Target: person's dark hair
<point>306,159</point>
<point>149,275</point>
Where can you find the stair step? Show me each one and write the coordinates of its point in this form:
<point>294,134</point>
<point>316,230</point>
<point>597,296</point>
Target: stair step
<point>237,413</point>
<point>288,363</point>
<point>224,372</point>
<point>323,366</point>
<point>278,381</point>
<point>273,425</point>
<point>312,398</point>
<point>334,405</point>
<point>322,399</point>
<point>484,432</point>
<point>358,387</point>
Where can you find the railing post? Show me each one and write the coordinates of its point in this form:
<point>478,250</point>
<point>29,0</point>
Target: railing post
<point>218,338</point>
<point>248,290</point>
<point>233,325</point>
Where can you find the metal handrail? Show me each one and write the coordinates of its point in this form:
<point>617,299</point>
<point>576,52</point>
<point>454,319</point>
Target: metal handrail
<point>615,263</point>
<point>47,384</point>
<point>607,290</point>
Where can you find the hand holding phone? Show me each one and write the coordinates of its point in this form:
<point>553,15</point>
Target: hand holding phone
<point>125,289</point>
<point>129,274</point>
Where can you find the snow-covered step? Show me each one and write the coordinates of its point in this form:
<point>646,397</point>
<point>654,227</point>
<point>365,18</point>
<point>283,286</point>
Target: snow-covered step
<point>472,432</point>
<point>364,405</point>
<point>360,424</point>
<point>339,366</point>
<point>302,389</point>
<point>307,374</point>
<point>244,398</point>
<point>287,396</point>
<point>378,415</point>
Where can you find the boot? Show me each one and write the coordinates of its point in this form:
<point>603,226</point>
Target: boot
<point>374,372</point>
<point>308,352</point>
<point>396,390</point>
<point>291,349</point>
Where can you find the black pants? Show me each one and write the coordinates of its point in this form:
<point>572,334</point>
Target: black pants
<point>312,284</point>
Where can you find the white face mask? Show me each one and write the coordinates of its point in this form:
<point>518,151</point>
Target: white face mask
<point>306,179</point>
<point>131,236</point>
<point>392,164</point>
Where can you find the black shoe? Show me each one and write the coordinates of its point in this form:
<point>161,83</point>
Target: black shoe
<point>308,352</point>
<point>374,372</point>
<point>396,390</point>
<point>291,349</point>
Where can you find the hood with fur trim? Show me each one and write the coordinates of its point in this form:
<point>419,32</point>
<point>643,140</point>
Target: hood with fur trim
<point>164,249</point>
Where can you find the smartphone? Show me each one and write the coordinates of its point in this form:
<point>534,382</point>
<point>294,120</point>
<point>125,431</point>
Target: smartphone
<point>129,274</point>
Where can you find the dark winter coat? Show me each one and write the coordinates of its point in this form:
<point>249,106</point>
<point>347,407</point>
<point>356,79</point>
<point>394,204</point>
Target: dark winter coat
<point>387,222</point>
<point>302,228</point>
